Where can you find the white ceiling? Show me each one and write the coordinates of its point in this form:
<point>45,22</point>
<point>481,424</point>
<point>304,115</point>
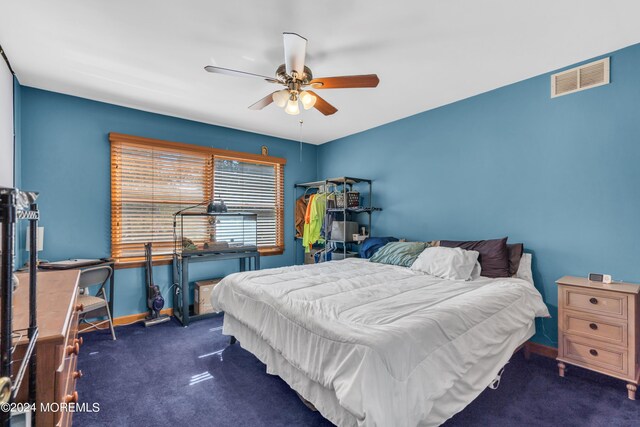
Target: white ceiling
<point>150,54</point>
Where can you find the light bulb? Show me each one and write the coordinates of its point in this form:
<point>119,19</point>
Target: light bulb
<point>307,99</point>
<point>280,97</point>
<point>292,107</point>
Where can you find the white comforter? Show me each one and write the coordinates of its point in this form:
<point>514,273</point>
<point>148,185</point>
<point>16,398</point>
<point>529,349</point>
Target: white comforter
<point>389,341</point>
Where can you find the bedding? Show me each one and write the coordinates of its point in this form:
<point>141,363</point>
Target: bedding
<point>524,268</point>
<point>515,251</point>
<point>494,254</point>
<point>446,263</point>
<point>399,253</point>
<point>476,272</point>
<point>374,344</point>
<point>371,245</point>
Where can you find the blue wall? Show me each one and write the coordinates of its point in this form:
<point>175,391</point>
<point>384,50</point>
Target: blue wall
<point>561,175</point>
<point>65,155</point>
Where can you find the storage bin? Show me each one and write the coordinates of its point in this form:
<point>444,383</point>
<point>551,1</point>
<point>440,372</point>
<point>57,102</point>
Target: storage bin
<point>338,231</point>
<point>353,199</point>
<point>202,296</point>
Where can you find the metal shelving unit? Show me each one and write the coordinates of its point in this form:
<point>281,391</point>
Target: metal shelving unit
<point>343,184</point>
<point>17,205</point>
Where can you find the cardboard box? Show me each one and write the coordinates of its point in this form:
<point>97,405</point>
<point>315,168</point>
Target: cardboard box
<point>309,256</point>
<point>202,296</point>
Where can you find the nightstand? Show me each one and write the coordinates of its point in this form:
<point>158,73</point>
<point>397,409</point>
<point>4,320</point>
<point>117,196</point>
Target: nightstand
<point>599,328</point>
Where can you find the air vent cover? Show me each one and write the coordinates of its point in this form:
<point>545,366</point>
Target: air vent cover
<point>580,78</point>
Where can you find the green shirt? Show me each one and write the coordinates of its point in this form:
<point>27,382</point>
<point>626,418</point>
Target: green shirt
<point>316,217</point>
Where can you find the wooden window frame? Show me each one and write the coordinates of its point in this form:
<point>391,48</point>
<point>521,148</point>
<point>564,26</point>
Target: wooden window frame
<point>277,162</point>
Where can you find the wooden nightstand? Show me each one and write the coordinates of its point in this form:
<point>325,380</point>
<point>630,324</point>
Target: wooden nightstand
<point>599,328</point>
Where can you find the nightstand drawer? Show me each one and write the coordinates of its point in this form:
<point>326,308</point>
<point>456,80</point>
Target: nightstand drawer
<point>597,302</point>
<point>596,327</point>
<point>590,354</point>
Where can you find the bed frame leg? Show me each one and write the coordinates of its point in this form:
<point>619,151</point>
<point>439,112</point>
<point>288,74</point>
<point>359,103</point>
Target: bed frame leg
<point>232,340</point>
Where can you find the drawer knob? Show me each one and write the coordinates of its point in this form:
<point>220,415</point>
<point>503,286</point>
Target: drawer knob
<point>593,352</point>
<point>78,374</point>
<point>78,341</point>
<point>593,326</point>
<point>80,307</point>
<point>73,349</point>
<point>593,300</point>
<point>71,398</point>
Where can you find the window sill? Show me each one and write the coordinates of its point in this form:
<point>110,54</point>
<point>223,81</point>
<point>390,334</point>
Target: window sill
<point>168,259</point>
<point>271,251</point>
<point>139,263</point>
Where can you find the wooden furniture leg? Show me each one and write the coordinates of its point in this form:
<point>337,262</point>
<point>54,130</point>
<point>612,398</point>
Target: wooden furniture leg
<point>631,389</point>
<point>561,369</point>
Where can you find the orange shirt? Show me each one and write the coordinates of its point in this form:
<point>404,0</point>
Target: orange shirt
<point>307,215</point>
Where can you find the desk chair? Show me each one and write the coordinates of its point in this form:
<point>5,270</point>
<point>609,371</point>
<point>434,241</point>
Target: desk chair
<point>95,306</point>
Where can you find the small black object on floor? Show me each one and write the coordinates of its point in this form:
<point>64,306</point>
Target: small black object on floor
<point>170,375</point>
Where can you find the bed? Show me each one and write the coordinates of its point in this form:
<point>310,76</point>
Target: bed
<point>372,344</point>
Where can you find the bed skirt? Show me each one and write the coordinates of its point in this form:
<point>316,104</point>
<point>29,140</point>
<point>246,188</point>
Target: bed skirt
<point>325,400</point>
<point>322,398</point>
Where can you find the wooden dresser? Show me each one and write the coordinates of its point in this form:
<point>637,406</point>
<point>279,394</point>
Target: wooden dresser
<point>599,328</point>
<point>58,343</point>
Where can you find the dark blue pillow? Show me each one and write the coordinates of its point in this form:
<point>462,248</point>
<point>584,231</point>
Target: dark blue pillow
<point>371,245</point>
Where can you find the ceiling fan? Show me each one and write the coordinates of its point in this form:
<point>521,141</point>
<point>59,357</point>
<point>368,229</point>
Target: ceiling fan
<point>297,78</point>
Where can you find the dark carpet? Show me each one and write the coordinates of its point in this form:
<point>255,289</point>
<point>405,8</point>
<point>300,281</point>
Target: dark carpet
<point>170,375</point>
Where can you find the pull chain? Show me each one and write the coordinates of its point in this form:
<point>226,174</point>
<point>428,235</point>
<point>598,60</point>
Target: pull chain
<point>300,139</point>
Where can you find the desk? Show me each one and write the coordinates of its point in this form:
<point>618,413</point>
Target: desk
<point>181,277</point>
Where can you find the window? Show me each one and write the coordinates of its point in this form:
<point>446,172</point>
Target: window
<point>251,187</point>
<point>152,179</point>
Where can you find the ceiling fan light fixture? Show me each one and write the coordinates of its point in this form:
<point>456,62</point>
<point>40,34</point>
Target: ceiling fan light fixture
<point>281,97</point>
<point>292,107</point>
<point>294,75</point>
<point>307,99</point>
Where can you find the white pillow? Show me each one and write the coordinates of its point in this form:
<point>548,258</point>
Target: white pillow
<point>476,272</point>
<point>524,269</point>
<point>447,263</point>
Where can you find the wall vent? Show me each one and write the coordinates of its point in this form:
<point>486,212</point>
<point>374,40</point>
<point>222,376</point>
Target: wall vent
<point>580,78</point>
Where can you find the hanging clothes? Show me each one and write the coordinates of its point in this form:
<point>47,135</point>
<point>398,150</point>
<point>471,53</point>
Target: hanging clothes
<point>301,210</point>
<point>308,211</point>
<point>312,231</point>
<point>317,217</point>
<point>307,216</point>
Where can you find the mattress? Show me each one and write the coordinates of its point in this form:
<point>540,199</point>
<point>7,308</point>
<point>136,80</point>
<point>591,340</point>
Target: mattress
<point>378,345</point>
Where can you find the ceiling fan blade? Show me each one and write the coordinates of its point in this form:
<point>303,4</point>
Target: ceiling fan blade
<point>295,50</point>
<point>344,82</point>
<point>263,102</point>
<point>230,72</point>
<point>323,106</point>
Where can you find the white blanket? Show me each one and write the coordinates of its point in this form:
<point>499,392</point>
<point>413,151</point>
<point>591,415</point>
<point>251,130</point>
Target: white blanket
<point>391,342</point>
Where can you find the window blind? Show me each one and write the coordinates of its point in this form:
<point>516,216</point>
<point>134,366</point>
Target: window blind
<point>153,179</point>
<point>148,186</point>
<point>247,186</point>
